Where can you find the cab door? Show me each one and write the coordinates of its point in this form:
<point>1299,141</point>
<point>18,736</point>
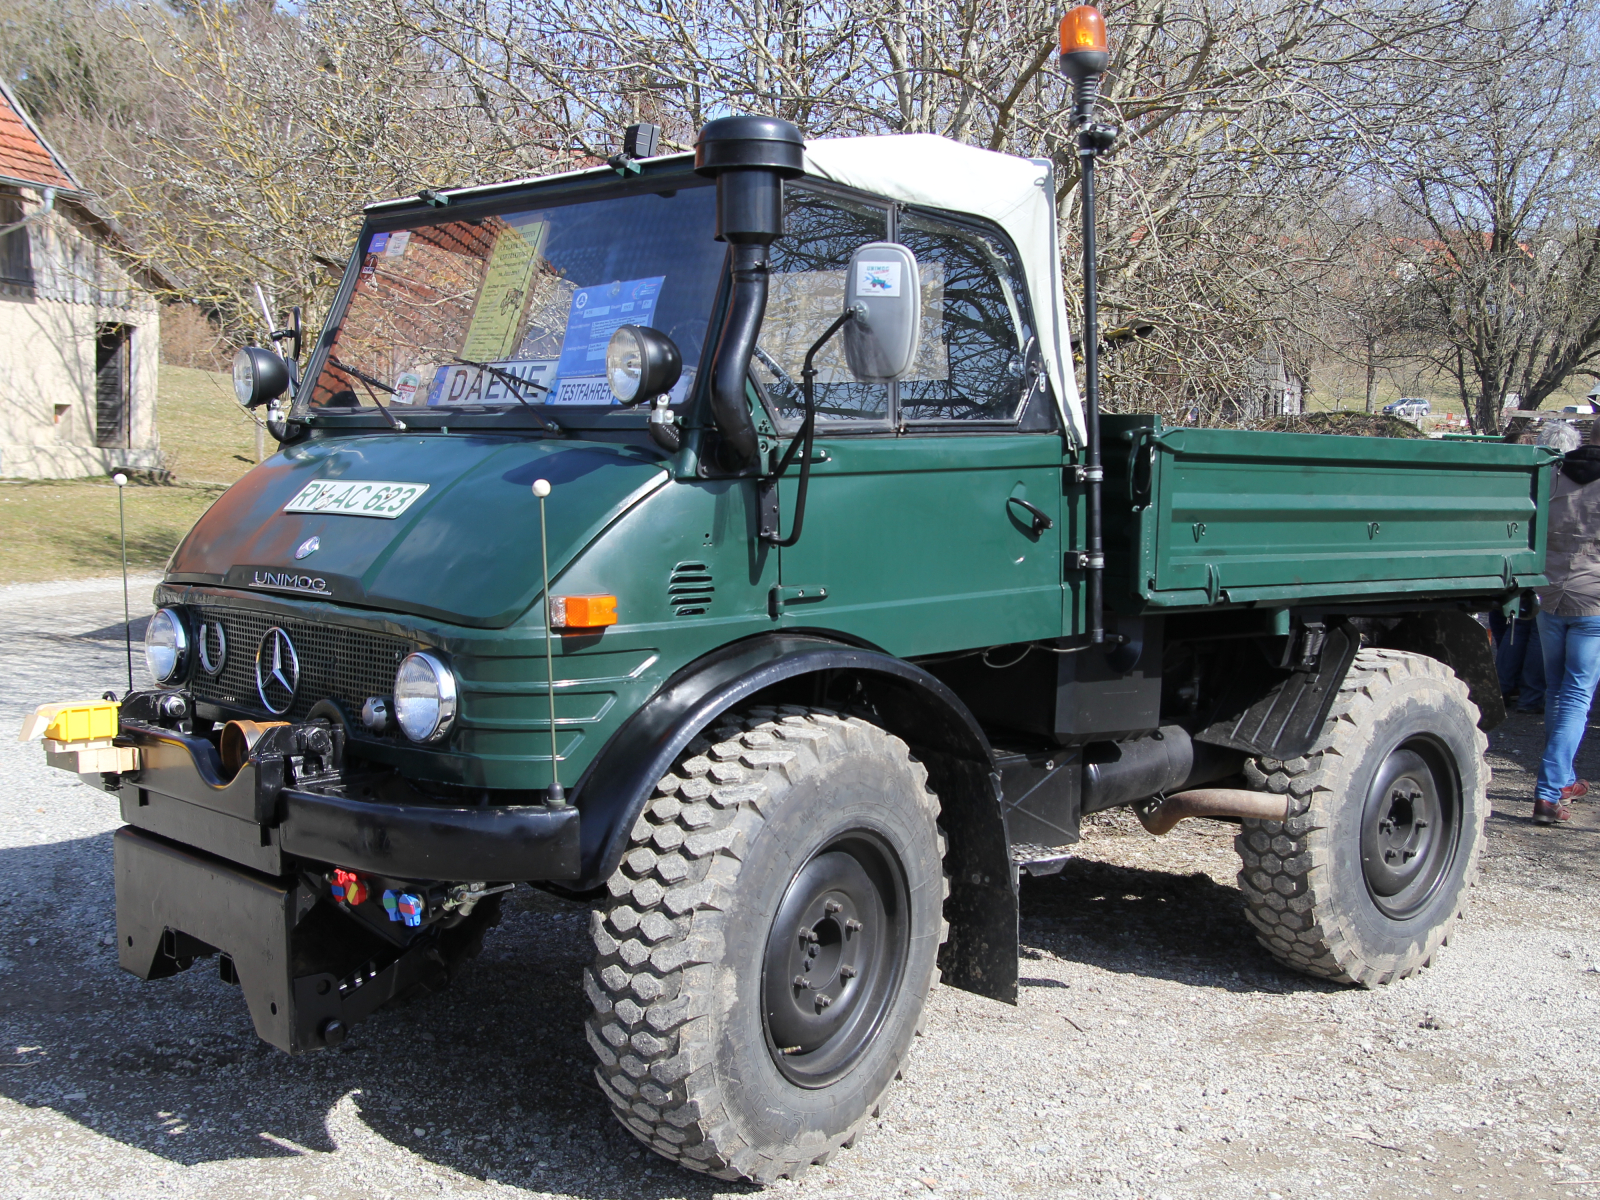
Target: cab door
<point>932,519</point>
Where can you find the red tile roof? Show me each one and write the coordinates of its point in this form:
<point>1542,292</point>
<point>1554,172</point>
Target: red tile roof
<point>25,157</point>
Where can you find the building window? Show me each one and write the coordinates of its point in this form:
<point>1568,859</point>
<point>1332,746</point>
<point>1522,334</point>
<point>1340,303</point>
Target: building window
<point>16,255</point>
<point>111,379</point>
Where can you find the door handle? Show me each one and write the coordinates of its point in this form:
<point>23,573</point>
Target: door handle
<point>1041,519</point>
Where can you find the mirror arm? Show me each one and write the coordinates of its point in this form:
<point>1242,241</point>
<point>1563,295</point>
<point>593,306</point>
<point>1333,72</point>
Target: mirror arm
<point>807,432</point>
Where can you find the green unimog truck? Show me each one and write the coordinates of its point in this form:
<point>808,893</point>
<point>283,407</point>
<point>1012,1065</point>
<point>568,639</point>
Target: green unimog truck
<point>715,539</point>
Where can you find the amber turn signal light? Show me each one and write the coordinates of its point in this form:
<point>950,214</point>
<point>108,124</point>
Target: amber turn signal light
<point>583,612</point>
<point>1083,28</point>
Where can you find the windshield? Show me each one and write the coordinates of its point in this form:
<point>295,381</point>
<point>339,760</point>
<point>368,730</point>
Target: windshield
<point>517,307</point>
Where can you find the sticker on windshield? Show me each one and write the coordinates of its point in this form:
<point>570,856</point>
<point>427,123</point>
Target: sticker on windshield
<point>877,279</point>
<point>593,389</point>
<point>405,387</point>
<point>356,497</point>
<point>595,314</point>
<point>473,385</point>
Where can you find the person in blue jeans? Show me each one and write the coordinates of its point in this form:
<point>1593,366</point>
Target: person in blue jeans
<point>1520,663</point>
<point>1569,620</point>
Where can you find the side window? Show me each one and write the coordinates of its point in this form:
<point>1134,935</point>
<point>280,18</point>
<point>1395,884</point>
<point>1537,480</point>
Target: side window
<point>806,295</point>
<point>970,365</point>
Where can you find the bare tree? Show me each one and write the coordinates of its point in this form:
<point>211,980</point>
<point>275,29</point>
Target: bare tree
<point>1501,170</point>
<point>1225,217</point>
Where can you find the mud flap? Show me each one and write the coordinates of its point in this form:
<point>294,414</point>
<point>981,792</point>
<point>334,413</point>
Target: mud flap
<point>175,905</point>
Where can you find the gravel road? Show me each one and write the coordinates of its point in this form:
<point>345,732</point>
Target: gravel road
<point>1156,1051</point>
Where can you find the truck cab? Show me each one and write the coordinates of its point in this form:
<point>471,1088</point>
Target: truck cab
<point>611,549</point>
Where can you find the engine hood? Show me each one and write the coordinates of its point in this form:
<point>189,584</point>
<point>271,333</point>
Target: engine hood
<point>464,550</point>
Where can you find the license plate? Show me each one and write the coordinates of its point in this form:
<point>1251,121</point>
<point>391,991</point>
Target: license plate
<point>356,497</point>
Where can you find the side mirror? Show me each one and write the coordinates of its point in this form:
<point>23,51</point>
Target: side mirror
<point>641,363</point>
<point>259,375</point>
<point>884,288</point>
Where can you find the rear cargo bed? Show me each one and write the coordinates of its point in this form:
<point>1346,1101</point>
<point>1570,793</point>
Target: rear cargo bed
<point>1199,517</point>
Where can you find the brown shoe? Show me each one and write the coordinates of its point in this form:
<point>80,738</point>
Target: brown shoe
<point>1548,812</point>
<point>1575,791</point>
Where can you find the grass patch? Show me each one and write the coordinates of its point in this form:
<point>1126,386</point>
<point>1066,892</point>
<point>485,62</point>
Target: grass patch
<point>67,528</point>
<point>205,436</point>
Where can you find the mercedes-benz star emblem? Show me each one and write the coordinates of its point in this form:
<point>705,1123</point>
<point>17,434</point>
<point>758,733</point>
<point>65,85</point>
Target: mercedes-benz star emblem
<point>307,547</point>
<point>213,647</point>
<point>277,671</point>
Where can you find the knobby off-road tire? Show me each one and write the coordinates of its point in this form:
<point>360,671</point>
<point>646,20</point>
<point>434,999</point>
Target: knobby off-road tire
<point>776,830</point>
<point>1364,880</point>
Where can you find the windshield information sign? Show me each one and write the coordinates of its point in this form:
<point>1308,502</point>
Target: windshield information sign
<point>356,497</point>
<point>595,314</point>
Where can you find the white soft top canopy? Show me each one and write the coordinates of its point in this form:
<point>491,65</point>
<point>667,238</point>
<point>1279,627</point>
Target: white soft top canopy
<point>1017,194</point>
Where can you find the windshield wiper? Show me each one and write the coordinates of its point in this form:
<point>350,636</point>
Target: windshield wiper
<point>372,383</point>
<point>516,384</point>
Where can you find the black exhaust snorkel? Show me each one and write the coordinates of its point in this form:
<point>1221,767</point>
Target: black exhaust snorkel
<point>749,157</point>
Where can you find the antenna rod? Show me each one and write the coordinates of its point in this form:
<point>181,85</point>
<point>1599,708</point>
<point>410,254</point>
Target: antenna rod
<point>541,489</point>
<point>121,481</point>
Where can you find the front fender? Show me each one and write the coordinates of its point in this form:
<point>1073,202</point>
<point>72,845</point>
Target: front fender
<point>981,955</point>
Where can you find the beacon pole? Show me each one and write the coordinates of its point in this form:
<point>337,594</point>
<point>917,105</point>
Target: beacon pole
<point>556,797</point>
<point>1084,59</point>
<point>121,481</point>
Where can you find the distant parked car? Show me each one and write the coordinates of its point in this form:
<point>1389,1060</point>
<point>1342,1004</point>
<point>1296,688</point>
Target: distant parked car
<point>1408,406</point>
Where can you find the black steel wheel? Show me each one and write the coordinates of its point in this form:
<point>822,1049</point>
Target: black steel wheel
<point>1408,827</point>
<point>1368,875</point>
<point>772,935</point>
<point>835,958</point>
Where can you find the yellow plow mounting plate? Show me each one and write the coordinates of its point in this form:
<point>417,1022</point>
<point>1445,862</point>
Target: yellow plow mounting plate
<point>78,737</point>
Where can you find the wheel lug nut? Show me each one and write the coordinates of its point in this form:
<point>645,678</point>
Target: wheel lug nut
<point>852,924</point>
<point>801,982</point>
<point>832,906</point>
<point>1422,824</point>
<point>824,1001</point>
<point>1388,856</point>
<point>847,972</point>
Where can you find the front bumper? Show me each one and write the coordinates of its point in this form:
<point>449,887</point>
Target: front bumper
<point>236,866</point>
<point>263,819</point>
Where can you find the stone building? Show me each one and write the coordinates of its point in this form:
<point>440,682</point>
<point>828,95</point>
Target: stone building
<point>79,331</point>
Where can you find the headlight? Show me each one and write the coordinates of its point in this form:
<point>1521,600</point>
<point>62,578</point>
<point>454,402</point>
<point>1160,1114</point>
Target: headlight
<point>641,363</point>
<point>166,645</point>
<point>424,698</point>
<point>259,375</point>
<point>625,364</point>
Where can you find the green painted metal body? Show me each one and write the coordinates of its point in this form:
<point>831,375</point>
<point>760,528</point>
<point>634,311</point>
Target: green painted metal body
<point>1208,516</point>
<point>913,544</point>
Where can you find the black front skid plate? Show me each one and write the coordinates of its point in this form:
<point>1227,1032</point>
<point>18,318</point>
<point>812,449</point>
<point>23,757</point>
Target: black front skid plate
<point>176,904</point>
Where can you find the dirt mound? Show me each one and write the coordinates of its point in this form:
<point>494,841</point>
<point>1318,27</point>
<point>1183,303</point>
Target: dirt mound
<point>1351,424</point>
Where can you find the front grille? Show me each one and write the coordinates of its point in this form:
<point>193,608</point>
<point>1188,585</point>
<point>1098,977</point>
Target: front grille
<point>336,663</point>
<point>690,589</point>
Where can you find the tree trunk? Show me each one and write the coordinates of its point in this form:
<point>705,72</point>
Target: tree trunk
<point>1372,373</point>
